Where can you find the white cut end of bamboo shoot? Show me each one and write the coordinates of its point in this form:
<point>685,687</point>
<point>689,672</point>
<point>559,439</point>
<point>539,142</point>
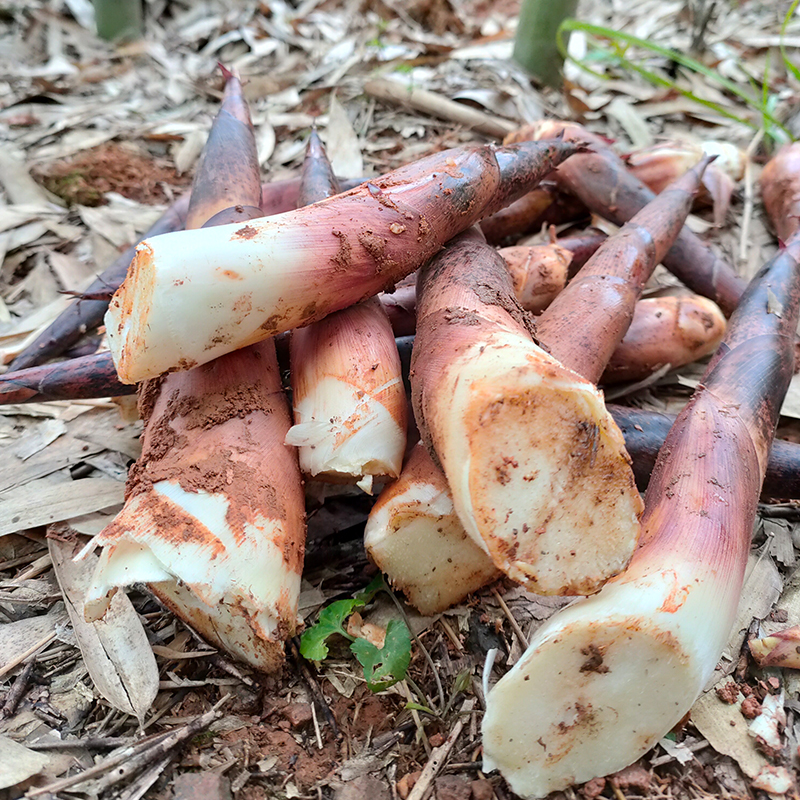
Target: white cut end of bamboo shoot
<point>346,434</point>
<point>537,467</point>
<point>350,405</point>
<point>415,537</point>
<point>603,680</point>
<point>234,277</point>
<point>234,588</point>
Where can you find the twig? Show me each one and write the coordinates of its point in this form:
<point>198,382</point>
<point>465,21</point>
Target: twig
<point>18,689</point>
<point>27,654</point>
<point>403,686</point>
<point>130,759</point>
<point>451,634</point>
<point>226,666</point>
<point>90,743</point>
<point>439,755</point>
<point>314,686</point>
<point>109,762</point>
<point>514,624</point>
<point>18,562</point>
<point>176,698</point>
<point>158,750</point>
<point>614,392</point>
<point>316,726</point>
<point>747,214</point>
<point>138,788</point>
<point>438,106</point>
<point>39,566</point>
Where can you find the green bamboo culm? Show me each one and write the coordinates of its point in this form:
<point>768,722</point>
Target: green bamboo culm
<point>118,20</point>
<point>535,44</point>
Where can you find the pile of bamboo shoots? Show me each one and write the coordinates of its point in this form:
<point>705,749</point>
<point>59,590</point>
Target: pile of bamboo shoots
<point>507,461</point>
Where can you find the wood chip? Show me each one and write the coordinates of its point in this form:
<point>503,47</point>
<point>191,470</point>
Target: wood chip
<point>40,502</point>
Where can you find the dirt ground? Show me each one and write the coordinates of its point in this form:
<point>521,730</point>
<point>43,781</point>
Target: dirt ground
<point>95,141</point>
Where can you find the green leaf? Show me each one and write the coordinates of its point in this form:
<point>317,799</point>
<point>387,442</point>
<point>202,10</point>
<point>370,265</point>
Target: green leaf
<point>420,707</point>
<point>786,60</point>
<point>616,37</point>
<point>368,592</point>
<point>385,667</point>
<point>463,681</point>
<point>331,620</point>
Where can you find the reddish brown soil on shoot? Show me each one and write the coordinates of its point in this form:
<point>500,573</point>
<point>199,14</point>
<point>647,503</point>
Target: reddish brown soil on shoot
<point>86,178</point>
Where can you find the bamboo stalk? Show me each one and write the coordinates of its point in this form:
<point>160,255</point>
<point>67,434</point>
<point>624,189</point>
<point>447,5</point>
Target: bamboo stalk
<point>538,273</point>
<point>414,536</point>
<point>287,271</point>
<point>624,666</point>
<point>515,475</point>
<point>588,320</point>
<point>535,45</point>
<point>118,20</point>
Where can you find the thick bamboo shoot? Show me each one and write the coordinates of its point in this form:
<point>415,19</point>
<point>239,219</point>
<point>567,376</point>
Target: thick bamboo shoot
<point>622,667</point>
<point>214,515</point>
<point>271,275</point>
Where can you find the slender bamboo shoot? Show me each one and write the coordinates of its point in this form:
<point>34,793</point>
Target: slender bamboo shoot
<point>347,389</point>
<point>600,180</point>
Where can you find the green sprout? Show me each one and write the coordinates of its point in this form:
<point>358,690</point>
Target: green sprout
<point>383,667</point>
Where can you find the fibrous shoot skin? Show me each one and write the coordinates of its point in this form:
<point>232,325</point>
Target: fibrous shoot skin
<point>267,276</point>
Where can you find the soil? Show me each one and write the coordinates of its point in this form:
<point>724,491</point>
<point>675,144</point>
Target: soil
<point>113,167</point>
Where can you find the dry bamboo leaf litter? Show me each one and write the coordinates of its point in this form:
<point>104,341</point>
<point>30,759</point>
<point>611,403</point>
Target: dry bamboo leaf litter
<point>288,51</point>
<point>115,650</point>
